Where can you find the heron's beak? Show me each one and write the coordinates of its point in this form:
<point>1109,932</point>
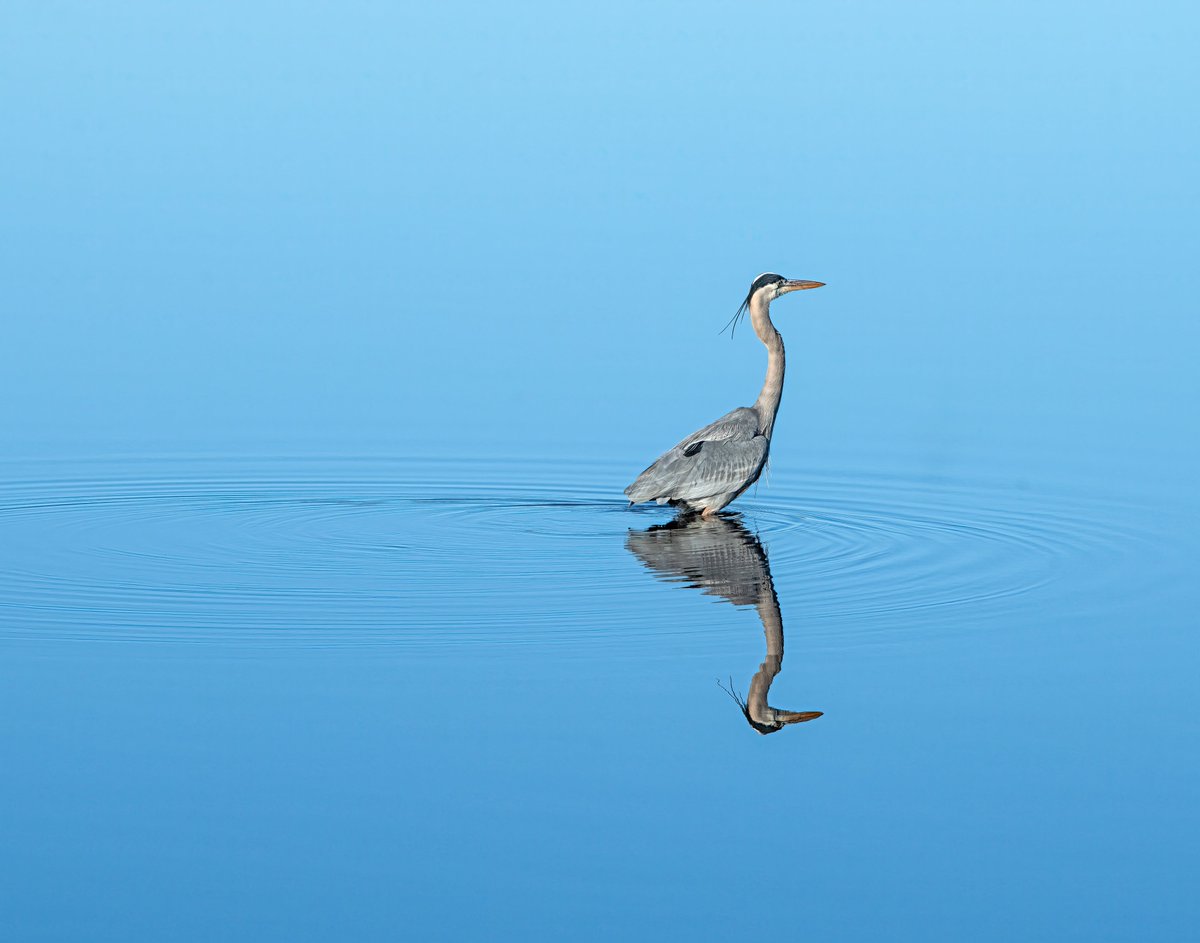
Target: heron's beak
<point>798,285</point>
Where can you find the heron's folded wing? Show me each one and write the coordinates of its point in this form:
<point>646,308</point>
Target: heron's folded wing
<point>740,423</point>
<point>700,468</point>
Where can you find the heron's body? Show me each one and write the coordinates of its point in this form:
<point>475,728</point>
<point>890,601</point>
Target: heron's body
<point>709,468</point>
<point>712,466</point>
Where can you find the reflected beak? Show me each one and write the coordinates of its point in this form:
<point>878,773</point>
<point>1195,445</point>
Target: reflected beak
<point>798,285</point>
<point>796,717</point>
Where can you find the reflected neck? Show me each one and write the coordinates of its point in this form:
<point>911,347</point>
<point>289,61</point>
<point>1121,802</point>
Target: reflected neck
<point>760,685</point>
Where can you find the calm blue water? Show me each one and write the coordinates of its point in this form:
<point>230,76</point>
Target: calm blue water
<point>296,698</point>
<point>331,335</point>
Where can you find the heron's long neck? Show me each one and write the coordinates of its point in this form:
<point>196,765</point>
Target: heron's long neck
<point>767,404</point>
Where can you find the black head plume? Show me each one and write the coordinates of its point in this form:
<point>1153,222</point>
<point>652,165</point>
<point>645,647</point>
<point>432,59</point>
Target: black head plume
<point>766,278</point>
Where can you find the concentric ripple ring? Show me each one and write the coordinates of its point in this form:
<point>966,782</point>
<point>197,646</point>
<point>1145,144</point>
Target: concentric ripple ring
<point>436,554</point>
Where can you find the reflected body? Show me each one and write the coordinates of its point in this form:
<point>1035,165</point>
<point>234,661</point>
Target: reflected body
<point>714,465</point>
<point>720,557</point>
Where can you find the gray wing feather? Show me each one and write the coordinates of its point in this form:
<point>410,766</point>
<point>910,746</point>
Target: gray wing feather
<point>730,456</point>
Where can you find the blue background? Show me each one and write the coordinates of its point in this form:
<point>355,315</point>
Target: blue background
<point>485,231</point>
<point>422,226</point>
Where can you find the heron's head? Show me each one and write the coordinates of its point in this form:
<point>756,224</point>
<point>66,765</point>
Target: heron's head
<point>769,286</point>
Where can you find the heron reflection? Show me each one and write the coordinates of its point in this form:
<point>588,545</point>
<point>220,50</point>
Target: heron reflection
<point>720,557</point>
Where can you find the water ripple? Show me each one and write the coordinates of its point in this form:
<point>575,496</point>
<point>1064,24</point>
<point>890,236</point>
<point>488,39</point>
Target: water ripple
<point>439,553</point>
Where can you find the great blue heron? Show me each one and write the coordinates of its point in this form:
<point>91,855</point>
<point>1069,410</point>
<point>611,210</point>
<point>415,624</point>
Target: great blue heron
<point>715,464</point>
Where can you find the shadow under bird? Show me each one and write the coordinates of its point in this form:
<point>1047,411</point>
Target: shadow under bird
<point>712,466</point>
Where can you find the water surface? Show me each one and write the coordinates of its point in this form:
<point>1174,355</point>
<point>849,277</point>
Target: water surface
<point>470,699</point>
